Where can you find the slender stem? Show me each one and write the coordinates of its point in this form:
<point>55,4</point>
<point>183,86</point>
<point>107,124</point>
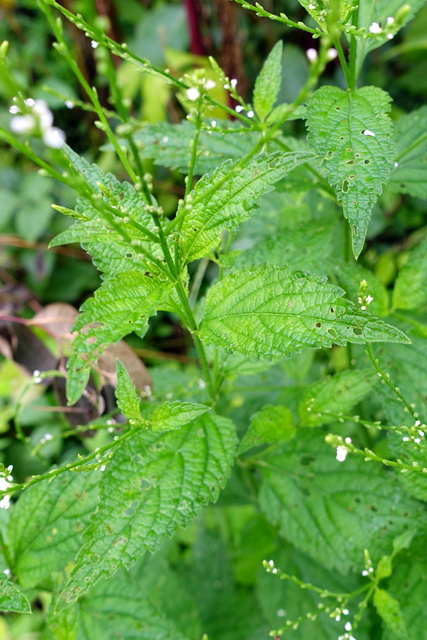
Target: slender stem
<point>343,61</point>
<point>50,475</point>
<point>353,52</point>
<point>386,378</point>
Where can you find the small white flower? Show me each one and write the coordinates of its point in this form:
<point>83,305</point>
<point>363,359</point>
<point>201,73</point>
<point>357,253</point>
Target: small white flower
<point>369,299</point>
<point>396,164</point>
<point>348,626</point>
<point>14,109</point>
<point>250,114</point>
<point>69,104</point>
<point>390,36</point>
<point>54,137</point>
<point>48,436</point>
<point>312,55</point>
<point>44,114</point>
<point>341,453</point>
<point>390,20</point>
<point>7,573</point>
<point>210,84</point>
<point>94,44</point>
<point>331,54</point>
<point>238,109</point>
<point>23,124</point>
<point>366,132</point>
<point>5,501</point>
<point>193,94</point>
<point>375,28</point>
<point>213,123</point>
<point>233,83</point>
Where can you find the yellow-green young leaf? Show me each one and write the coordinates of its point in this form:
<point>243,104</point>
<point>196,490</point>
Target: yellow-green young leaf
<point>12,598</point>
<point>351,131</point>
<point>267,84</point>
<point>324,400</point>
<point>153,484</point>
<point>270,313</point>
<point>271,424</point>
<point>410,173</point>
<point>223,199</point>
<point>126,394</point>
<point>334,510</point>
<point>121,305</point>
<point>384,567</point>
<point>389,610</point>
<point>410,290</point>
<point>173,415</point>
<point>47,523</point>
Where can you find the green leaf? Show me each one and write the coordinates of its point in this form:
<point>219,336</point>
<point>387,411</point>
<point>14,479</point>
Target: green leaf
<point>123,304</point>
<point>224,199</point>
<point>118,608</point>
<point>410,290</point>
<point>389,610</point>
<point>334,510</point>
<point>271,424</point>
<point>305,247</point>
<point>370,11</point>
<point>111,254</point>
<point>267,84</point>
<point>323,400</point>
<point>127,397</point>
<point>269,313</point>
<point>351,131</point>
<point>153,484</point>
<point>47,522</point>
<point>169,145</point>
<point>12,598</point>
<point>410,173</point>
<point>101,235</point>
<point>408,585</point>
<point>319,9</point>
<point>173,415</point>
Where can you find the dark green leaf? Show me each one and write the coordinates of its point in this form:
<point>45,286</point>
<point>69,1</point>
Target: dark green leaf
<point>351,132</point>
<point>47,522</point>
<point>410,173</point>
<point>153,484</point>
<point>334,510</point>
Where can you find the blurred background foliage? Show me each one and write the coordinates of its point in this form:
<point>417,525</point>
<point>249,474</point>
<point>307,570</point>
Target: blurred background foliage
<point>178,34</point>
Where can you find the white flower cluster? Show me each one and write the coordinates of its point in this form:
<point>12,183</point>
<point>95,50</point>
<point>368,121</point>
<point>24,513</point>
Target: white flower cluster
<point>376,29</point>
<point>38,119</point>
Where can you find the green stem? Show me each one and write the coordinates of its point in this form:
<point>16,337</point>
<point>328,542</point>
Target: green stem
<point>343,61</point>
<point>386,378</point>
<point>50,475</point>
